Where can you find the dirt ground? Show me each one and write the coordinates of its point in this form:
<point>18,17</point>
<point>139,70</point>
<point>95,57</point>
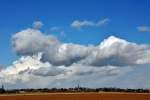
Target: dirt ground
<point>77,96</point>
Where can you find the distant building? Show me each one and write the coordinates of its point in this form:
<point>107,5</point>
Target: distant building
<point>2,89</point>
<point>78,88</point>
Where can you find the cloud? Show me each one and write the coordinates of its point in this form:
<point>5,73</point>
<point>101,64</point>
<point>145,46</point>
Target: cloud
<point>65,54</point>
<point>143,29</point>
<point>30,68</point>
<point>47,62</point>
<point>30,41</point>
<point>48,71</point>
<point>37,24</point>
<point>78,24</point>
<point>118,52</point>
<point>103,21</point>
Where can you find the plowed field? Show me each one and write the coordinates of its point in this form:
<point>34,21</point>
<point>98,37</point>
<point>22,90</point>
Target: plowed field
<point>78,96</point>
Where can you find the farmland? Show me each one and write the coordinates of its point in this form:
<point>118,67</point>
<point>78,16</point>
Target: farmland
<point>77,96</point>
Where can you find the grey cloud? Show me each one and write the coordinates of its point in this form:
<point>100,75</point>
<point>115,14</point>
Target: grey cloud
<point>79,69</point>
<point>31,41</point>
<point>66,54</point>
<point>49,71</point>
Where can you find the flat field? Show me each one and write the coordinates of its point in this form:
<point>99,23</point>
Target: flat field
<point>77,96</point>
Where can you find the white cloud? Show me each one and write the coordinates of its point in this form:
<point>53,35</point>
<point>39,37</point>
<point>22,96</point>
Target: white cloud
<point>48,62</point>
<point>103,21</point>
<point>78,24</point>
<point>37,24</point>
<point>118,52</point>
<point>30,69</point>
<point>30,41</point>
<point>143,28</point>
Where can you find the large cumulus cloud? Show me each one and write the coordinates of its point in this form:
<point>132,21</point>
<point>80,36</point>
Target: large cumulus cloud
<point>46,61</point>
<point>118,52</point>
<point>31,41</point>
<point>112,51</point>
<point>30,69</point>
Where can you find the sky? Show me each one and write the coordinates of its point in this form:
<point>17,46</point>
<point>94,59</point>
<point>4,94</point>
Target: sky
<point>56,34</point>
<point>125,17</point>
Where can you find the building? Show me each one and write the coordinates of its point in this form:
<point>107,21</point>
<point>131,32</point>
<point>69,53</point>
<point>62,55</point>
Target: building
<point>2,89</point>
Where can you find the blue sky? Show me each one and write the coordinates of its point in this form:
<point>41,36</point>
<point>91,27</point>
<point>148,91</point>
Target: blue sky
<point>125,16</point>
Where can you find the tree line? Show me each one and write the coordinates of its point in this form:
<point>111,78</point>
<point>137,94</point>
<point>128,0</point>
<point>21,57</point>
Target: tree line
<point>73,90</point>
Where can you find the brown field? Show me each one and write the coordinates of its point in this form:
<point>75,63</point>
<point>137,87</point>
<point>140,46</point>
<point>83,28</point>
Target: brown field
<point>78,96</point>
